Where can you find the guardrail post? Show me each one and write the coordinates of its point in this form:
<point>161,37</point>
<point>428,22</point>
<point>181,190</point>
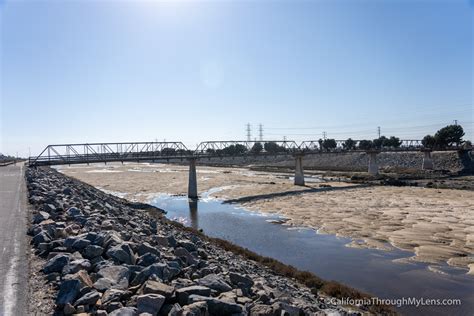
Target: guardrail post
<point>373,164</point>
<point>192,184</point>
<point>427,160</point>
<point>299,172</point>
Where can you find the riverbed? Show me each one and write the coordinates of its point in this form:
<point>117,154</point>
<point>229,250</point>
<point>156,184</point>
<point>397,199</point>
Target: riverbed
<point>280,221</point>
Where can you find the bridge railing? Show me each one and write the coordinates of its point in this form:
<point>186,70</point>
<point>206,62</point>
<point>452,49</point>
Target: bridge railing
<point>356,145</point>
<point>150,151</point>
<point>242,148</point>
<point>104,152</point>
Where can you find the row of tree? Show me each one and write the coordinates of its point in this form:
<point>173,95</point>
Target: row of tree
<point>236,149</point>
<point>450,135</point>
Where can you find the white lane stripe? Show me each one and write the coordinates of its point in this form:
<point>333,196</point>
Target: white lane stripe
<point>11,278</point>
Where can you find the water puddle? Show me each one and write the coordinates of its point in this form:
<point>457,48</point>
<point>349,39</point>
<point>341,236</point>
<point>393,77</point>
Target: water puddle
<point>369,270</point>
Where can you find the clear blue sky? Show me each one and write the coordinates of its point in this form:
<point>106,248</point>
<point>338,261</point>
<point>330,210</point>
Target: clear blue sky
<point>93,71</point>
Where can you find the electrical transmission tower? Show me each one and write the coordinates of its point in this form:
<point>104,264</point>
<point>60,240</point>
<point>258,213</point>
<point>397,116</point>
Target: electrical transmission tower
<point>260,132</point>
<point>378,130</point>
<point>249,135</point>
<point>324,135</point>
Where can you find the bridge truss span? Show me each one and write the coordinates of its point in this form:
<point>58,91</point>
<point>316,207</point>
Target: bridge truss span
<point>239,148</point>
<point>109,152</point>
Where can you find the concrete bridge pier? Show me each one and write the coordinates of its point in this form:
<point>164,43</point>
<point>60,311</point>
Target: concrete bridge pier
<point>373,164</point>
<point>427,160</point>
<point>299,172</point>
<point>192,184</point>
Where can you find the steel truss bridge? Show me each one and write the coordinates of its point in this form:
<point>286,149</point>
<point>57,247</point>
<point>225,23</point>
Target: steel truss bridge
<point>166,151</point>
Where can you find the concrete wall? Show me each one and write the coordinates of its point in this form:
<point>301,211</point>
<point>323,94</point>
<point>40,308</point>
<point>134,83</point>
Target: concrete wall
<point>354,161</point>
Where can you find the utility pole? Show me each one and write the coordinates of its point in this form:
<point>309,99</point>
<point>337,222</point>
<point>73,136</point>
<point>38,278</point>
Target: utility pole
<point>249,136</point>
<point>324,135</point>
<point>378,130</point>
<point>284,138</point>
<point>260,132</point>
<point>455,122</point>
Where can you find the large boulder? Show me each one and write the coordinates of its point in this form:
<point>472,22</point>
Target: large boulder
<point>216,306</point>
<point>56,263</point>
<point>68,292</point>
<point>183,294</point>
<point>124,311</point>
<point>112,276</point>
<point>215,282</point>
<point>40,216</point>
<point>240,280</point>
<point>77,265</point>
<point>155,287</point>
<point>195,309</point>
<point>145,248</point>
<point>73,212</point>
<point>92,251</point>
<point>41,237</point>
<point>122,253</point>
<point>89,298</point>
<point>184,254</point>
<point>150,303</point>
<point>157,269</point>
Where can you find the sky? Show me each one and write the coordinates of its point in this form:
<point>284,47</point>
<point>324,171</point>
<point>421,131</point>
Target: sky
<point>191,71</point>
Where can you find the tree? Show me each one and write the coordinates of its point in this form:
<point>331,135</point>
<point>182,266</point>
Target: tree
<point>365,144</point>
<point>273,147</point>
<point>320,142</point>
<point>256,148</point>
<point>394,142</point>
<point>168,151</point>
<point>329,144</point>
<point>380,142</point>
<point>449,135</point>
<point>428,141</point>
<point>349,144</point>
<point>234,149</point>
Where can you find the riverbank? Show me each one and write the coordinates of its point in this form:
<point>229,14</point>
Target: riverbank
<point>105,256</point>
<point>434,224</point>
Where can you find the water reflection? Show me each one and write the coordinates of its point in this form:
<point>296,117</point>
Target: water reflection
<point>193,213</point>
<point>369,270</point>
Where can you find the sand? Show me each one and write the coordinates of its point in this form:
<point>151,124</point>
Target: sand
<point>436,225</point>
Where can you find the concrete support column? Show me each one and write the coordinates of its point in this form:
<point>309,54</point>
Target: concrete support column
<point>299,172</point>
<point>192,184</point>
<point>373,164</point>
<point>427,160</point>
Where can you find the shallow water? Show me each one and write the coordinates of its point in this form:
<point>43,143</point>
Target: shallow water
<point>369,270</point>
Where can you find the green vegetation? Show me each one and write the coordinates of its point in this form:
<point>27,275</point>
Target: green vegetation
<point>272,147</point>
<point>447,136</point>
<point>329,144</point>
<point>349,144</point>
<point>256,148</point>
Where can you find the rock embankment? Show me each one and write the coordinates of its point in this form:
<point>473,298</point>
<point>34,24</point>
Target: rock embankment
<point>105,257</point>
<point>356,161</point>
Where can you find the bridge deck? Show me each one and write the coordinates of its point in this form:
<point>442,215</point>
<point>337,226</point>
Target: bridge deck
<point>172,151</point>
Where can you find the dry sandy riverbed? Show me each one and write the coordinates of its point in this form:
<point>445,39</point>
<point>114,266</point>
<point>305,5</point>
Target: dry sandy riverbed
<point>437,225</point>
